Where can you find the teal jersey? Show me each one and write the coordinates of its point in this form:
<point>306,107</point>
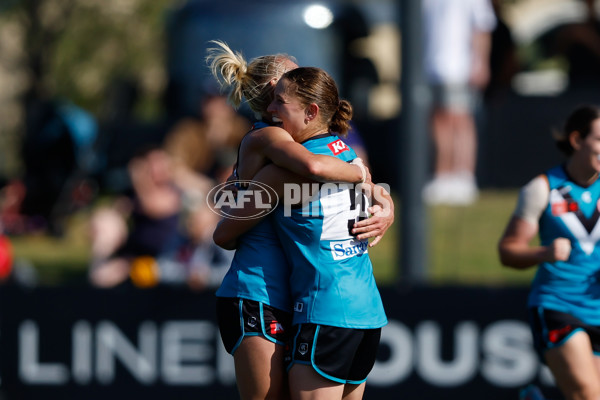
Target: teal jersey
<point>259,270</point>
<point>570,286</point>
<point>332,280</point>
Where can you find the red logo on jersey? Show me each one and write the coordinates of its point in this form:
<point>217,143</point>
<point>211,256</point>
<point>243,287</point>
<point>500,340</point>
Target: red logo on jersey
<point>338,147</point>
<point>572,206</point>
<point>564,207</point>
<point>276,328</point>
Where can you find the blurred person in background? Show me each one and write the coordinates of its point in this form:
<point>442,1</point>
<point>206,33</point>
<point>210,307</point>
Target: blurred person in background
<point>6,258</point>
<point>457,45</point>
<point>580,44</point>
<point>13,222</point>
<point>57,154</point>
<point>207,144</point>
<point>254,304</point>
<point>355,140</point>
<point>562,206</point>
<point>144,225</point>
<point>196,260</point>
<point>504,63</point>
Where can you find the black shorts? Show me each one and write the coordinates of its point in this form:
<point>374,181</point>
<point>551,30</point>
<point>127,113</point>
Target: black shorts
<point>553,328</point>
<point>239,318</point>
<point>339,354</point>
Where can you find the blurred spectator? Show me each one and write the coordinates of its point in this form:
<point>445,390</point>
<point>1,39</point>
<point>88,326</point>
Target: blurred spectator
<point>12,269</point>
<point>162,234</point>
<point>153,215</point>
<point>121,134</point>
<point>355,141</point>
<point>12,221</point>
<point>580,44</point>
<point>457,48</point>
<point>6,258</point>
<point>503,58</point>
<point>207,144</point>
<point>196,260</point>
<point>57,153</point>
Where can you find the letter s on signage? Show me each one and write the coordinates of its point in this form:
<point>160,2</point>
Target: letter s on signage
<point>509,359</point>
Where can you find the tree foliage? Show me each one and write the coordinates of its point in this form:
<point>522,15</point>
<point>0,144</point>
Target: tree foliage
<point>75,49</point>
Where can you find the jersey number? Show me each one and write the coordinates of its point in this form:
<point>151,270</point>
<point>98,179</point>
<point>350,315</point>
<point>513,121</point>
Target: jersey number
<point>358,203</point>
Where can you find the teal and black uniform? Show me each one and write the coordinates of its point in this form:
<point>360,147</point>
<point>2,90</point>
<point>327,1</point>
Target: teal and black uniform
<point>565,295</point>
<point>254,296</point>
<point>570,286</point>
<point>338,312</point>
<point>332,280</point>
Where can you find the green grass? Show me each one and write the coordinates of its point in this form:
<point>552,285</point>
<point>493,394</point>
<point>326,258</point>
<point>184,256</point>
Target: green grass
<point>57,260</point>
<point>461,247</point>
<point>461,244</point>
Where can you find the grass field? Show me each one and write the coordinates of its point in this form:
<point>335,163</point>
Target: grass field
<point>461,244</point>
<point>461,247</point>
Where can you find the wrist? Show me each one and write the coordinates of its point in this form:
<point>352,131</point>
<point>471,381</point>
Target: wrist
<point>363,170</point>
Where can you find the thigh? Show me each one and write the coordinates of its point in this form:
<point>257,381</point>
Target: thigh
<point>574,366</point>
<point>551,329</point>
<point>307,384</point>
<point>569,347</point>
<point>354,392</point>
<point>259,370</point>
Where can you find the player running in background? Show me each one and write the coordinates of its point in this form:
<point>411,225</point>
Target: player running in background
<point>563,206</point>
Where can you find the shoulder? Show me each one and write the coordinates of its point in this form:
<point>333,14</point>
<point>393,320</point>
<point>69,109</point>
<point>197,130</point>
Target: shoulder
<point>270,132</point>
<point>266,136</point>
<point>539,184</point>
<point>557,176</point>
<point>533,199</point>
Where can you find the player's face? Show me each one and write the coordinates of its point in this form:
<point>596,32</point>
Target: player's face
<point>286,109</point>
<point>287,66</point>
<point>590,148</point>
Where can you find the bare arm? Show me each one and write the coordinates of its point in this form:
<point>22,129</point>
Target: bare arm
<point>516,251</point>
<point>230,229</point>
<point>480,68</point>
<point>278,146</point>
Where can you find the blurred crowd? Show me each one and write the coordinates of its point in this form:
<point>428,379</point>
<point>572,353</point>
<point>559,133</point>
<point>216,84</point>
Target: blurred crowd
<point>144,189</point>
<point>144,186</point>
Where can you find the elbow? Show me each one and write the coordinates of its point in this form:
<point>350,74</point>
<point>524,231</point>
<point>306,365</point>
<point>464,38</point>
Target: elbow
<point>315,170</point>
<point>505,258</point>
<point>504,261</point>
<point>502,256</point>
<point>222,240</point>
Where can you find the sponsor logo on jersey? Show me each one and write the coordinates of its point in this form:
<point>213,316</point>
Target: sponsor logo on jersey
<point>337,147</point>
<point>276,328</point>
<point>348,248</point>
<point>565,206</point>
<point>298,307</point>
